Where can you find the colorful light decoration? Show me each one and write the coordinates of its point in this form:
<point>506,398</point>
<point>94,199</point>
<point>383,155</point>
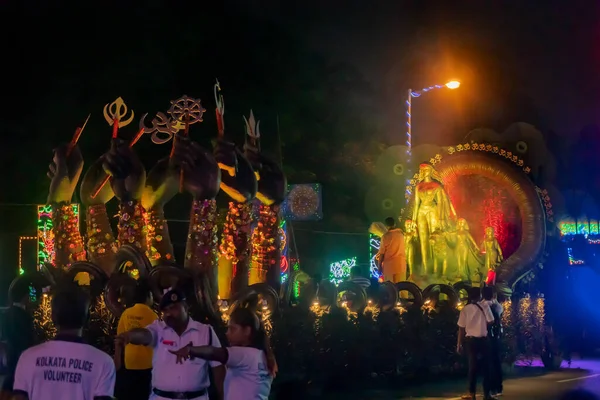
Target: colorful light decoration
<point>374,244</point>
<point>284,264</point>
<point>572,260</point>
<point>296,268</point>
<point>21,239</point>
<point>239,216</point>
<point>411,94</point>
<point>568,228</point>
<point>45,237</point>
<point>265,248</point>
<point>340,270</point>
<point>303,203</point>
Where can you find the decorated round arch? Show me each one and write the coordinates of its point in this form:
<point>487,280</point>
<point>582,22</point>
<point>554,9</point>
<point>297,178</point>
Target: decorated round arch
<point>533,205</point>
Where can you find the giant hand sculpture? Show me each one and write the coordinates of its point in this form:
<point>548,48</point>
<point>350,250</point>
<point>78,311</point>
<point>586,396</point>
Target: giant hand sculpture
<point>202,178</point>
<point>128,178</point>
<point>272,188</point>
<point>64,173</point>
<point>101,244</point>
<point>237,178</point>
<point>239,182</point>
<point>162,184</point>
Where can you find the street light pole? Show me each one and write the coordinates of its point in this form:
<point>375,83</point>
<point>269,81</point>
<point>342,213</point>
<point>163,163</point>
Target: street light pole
<point>411,94</point>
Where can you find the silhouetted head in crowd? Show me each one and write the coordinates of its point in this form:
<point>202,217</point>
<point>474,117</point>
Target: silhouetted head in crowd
<point>474,295</point>
<point>390,222</point>
<point>488,293</point>
<point>143,294</point>
<point>19,293</point>
<point>70,310</point>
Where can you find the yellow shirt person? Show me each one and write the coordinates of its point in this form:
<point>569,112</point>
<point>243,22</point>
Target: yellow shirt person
<point>138,316</point>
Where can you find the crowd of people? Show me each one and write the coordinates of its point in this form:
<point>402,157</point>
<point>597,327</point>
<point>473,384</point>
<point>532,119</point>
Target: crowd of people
<point>173,357</point>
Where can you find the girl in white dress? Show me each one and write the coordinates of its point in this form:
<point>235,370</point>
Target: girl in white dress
<point>250,362</point>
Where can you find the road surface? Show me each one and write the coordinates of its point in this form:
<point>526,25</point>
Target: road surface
<point>536,384</point>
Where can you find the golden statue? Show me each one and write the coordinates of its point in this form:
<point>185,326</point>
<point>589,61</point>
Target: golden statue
<point>465,245</point>
<point>410,243</point>
<point>493,254</point>
<point>432,210</point>
<point>439,247</point>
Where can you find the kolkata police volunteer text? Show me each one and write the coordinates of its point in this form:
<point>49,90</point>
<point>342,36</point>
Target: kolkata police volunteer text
<point>61,362</point>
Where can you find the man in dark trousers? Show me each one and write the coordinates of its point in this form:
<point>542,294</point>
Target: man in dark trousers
<point>472,333</point>
<point>495,333</point>
<point>17,332</point>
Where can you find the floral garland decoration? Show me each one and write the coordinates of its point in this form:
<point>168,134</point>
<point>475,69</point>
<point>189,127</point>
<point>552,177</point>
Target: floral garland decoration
<point>68,240</point>
<point>157,229</point>
<point>202,237</point>
<point>234,242</point>
<point>265,244</point>
<point>101,242</point>
<point>132,226</point>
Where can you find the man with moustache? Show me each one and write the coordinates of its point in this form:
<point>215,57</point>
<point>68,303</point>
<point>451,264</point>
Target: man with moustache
<point>170,380</point>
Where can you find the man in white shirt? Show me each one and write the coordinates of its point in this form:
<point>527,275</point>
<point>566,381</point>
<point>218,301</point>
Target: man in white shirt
<point>472,332</point>
<point>170,380</point>
<point>65,368</point>
<point>495,373</point>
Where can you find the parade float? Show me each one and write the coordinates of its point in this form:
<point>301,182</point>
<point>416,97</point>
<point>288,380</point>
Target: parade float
<point>471,209</point>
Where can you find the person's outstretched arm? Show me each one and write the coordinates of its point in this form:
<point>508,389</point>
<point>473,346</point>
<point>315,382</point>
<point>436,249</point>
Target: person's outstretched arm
<point>208,353</point>
<point>139,336</point>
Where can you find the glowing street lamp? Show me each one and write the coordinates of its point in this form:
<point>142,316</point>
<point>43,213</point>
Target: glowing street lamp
<point>411,94</point>
<point>453,85</point>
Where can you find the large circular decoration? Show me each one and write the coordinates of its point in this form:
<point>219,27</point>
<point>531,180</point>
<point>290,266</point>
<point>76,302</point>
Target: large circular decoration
<point>132,262</point>
<point>352,296</point>
<point>489,164</point>
<point>387,296</point>
<point>431,295</point>
<point>119,292</point>
<point>34,280</point>
<point>260,297</point>
<point>164,277</point>
<point>416,297</point>
<point>88,275</point>
<point>303,201</point>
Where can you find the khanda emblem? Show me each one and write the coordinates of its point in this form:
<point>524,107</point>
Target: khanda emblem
<point>116,112</point>
<point>163,128</point>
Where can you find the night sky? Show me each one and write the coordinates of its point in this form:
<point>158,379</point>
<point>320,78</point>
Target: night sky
<point>517,60</point>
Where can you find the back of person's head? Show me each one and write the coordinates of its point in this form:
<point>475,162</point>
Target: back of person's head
<point>142,293</point>
<point>127,295</point>
<point>70,308</point>
<point>474,295</point>
<point>487,292</point>
<point>390,222</point>
<point>19,292</point>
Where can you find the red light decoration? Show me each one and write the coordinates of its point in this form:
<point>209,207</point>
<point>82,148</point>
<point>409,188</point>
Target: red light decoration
<point>284,265</point>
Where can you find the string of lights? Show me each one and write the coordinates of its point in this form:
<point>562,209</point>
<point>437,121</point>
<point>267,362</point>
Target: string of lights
<point>411,94</point>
